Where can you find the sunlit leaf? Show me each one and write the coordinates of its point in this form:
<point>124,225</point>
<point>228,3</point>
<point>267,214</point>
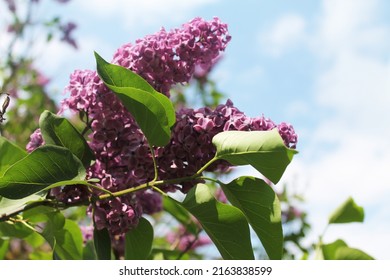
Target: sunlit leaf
<point>46,165</point>
<point>10,206</point>
<point>339,250</point>
<point>347,212</point>
<point>264,150</point>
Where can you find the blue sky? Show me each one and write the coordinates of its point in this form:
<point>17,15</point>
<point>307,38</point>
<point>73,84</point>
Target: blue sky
<point>323,66</point>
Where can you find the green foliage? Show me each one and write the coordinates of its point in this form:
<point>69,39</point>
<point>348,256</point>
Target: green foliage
<point>348,212</point>
<point>180,214</point>
<point>139,241</point>
<point>10,206</point>
<point>261,207</point>
<point>26,178</point>
<point>264,150</point>
<point>10,153</point>
<point>153,111</point>
<point>4,243</point>
<point>63,235</point>
<point>225,225</point>
<point>102,243</point>
<point>339,250</point>
<point>45,166</point>
<point>18,230</point>
<point>60,132</point>
<point>69,242</point>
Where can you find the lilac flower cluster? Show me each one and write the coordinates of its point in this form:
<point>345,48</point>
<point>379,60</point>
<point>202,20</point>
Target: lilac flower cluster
<point>36,140</point>
<point>191,147</point>
<point>168,58</point>
<point>123,158</point>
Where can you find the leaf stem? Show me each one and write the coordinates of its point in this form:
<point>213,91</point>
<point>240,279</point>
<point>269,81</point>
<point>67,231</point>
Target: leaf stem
<point>108,194</point>
<point>154,163</point>
<point>151,184</point>
<point>154,183</point>
<point>204,167</point>
<point>77,182</point>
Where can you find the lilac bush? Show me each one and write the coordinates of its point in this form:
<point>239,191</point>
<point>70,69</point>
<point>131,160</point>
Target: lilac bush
<point>123,157</point>
<point>136,149</point>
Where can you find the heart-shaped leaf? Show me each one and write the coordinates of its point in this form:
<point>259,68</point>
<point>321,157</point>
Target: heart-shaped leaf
<point>264,150</point>
<point>45,166</point>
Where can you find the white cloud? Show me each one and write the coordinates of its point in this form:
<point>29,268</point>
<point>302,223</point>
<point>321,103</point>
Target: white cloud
<point>350,25</point>
<point>284,35</point>
<point>141,13</point>
<point>347,152</point>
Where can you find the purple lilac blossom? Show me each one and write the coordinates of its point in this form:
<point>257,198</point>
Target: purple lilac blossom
<point>87,232</point>
<point>171,57</point>
<point>36,140</point>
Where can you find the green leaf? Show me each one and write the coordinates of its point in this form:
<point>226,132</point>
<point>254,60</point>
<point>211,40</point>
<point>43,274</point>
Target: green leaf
<point>153,111</point>
<point>63,235</point>
<point>59,131</point>
<point>45,166</point>
<point>261,207</point>
<point>40,255</point>
<point>89,252</point>
<point>102,243</point>
<point>4,244</point>
<point>339,250</point>
<point>225,225</point>
<point>69,242</point>
<point>41,214</point>
<point>139,241</point>
<point>10,206</point>
<point>17,230</point>
<point>347,253</point>
<point>55,222</point>
<point>347,212</point>
<point>180,214</point>
<point>264,150</point>
<point>35,240</point>
<point>10,153</point>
